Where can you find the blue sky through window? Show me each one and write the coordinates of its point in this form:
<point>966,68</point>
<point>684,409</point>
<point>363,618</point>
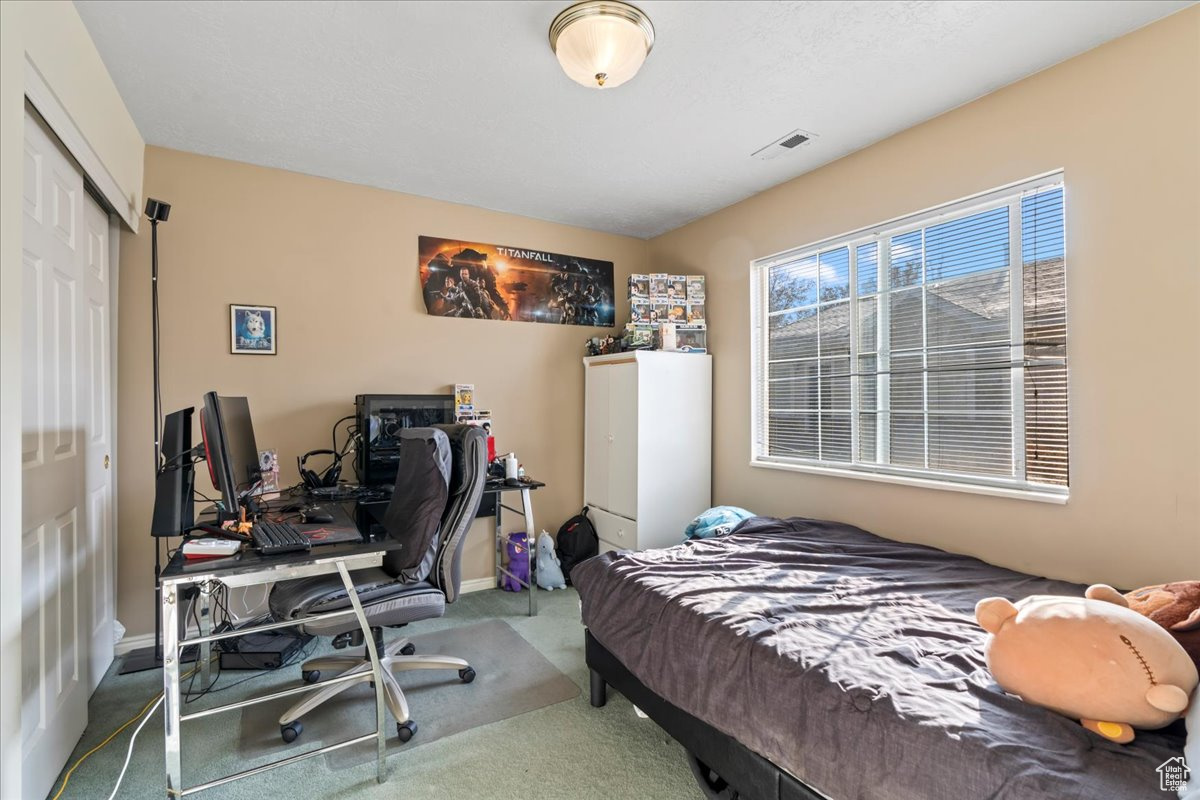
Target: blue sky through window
<point>1042,228</point>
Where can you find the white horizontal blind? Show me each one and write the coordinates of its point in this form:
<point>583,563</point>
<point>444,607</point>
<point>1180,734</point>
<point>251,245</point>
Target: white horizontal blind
<point>932,347</point>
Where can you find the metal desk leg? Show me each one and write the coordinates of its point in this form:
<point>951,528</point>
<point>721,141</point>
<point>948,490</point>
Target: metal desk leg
<point>376,671</point>
<point>205,655</point>
<point>499,542</point>
<point>170,635</point>
<point>531,538</point>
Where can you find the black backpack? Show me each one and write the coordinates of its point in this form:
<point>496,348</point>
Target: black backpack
<point>576,541</point>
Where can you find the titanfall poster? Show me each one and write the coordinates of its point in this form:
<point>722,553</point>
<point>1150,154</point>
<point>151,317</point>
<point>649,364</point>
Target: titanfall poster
<point>490,281</point>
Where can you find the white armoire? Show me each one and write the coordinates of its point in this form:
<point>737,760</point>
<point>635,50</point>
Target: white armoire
<point>647,468</point>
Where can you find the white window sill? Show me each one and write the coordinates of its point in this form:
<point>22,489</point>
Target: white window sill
<point>924,483</point>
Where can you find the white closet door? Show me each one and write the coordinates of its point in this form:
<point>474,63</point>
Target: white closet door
<point>56,548</point>
<point>623,439</point>
<point>595,435</point>
<point>97,390</point>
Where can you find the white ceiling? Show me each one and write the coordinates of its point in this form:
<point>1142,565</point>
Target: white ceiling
<point>465,102</point>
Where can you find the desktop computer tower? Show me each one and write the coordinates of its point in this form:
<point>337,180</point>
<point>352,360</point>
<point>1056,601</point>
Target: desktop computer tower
<point>381,417</point>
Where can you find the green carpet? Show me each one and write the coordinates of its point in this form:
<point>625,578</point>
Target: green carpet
<point>566,750</point>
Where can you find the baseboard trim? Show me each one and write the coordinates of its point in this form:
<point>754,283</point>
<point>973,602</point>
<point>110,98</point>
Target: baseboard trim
<point>130,643</point>
<point>477,585</point>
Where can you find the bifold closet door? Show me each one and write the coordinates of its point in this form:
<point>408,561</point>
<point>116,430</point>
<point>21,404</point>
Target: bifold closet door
<point>66,484</point>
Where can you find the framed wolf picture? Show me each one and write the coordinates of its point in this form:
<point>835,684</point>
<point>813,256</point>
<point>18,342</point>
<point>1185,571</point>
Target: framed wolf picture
<point>252,329</point>
<point>491,281</point>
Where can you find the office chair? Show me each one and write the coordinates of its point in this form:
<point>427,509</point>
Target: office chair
<point>439,482</point>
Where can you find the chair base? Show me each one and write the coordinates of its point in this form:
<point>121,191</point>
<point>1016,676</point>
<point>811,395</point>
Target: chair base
<point>395,657</point>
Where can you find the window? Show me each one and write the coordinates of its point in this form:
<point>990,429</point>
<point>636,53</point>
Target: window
<point>931,348</point>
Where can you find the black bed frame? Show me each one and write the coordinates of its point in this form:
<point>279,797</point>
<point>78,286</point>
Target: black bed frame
<point>724,768</point>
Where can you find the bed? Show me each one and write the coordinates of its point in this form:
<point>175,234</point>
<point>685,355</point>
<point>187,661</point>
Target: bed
<point>801,658</point>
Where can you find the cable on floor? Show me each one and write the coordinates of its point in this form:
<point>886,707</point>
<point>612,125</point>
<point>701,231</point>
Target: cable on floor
<point>129,752</point>
<point>67,777</point>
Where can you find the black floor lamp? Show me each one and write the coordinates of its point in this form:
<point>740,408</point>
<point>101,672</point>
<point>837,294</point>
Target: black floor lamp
<point>151,657</point>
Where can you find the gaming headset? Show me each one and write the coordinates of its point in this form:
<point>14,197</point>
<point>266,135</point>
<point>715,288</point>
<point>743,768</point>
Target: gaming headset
<point>315,480</point>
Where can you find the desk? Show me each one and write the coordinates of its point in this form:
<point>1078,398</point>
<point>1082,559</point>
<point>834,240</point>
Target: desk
<point>498,488</point>
<point>249,568</point>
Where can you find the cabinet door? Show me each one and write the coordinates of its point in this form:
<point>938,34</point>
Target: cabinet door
<point>595,435</point>
<point>623,439</point>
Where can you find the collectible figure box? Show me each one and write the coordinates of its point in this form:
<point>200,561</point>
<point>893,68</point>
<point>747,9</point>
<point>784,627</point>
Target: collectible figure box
<point>638,336</point>
<point>658,311</point>
<point>658,286</point>
<point>691,339</point>
<point>464,398</point>
<point>695,312</point>
<point>695,287</point>
<point>639,311</point>
<point>677,287</point>
<point>639,287</point>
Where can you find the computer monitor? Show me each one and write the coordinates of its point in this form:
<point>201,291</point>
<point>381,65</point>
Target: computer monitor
<point>230,449</point>
<point>173,504</point>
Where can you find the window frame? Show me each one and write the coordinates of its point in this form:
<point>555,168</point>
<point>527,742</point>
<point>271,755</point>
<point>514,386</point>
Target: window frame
<point>1010,195</point>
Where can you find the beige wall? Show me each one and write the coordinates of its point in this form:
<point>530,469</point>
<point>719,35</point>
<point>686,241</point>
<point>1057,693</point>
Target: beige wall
<point>1124,122</point>
<point>340,263</point>
<point>52,37</point>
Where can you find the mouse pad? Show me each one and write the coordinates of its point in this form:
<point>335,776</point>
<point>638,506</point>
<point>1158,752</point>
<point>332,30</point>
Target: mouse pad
<point>318,533</point>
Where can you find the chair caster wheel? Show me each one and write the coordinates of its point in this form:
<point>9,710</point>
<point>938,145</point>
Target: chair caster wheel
<point>408,649</point>
<point>406,730</point>
<point>291,731</point>
<point>311,675</point>
<point>467,674</point>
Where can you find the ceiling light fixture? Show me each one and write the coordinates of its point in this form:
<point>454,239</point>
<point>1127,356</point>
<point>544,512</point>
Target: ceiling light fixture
<point>601,43</point>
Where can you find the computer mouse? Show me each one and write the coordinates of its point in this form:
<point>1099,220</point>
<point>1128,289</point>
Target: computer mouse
<point>317,514</point>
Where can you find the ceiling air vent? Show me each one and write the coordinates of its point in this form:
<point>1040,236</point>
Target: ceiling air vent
<point>787,142</point>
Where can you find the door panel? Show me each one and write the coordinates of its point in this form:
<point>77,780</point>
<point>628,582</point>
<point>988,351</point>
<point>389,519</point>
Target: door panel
<point>56,545</point>
<point>97,379</point>
<point>595,435</point>
<point>623,439</point>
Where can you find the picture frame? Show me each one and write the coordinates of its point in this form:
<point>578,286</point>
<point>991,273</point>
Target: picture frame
<point>253,330</point>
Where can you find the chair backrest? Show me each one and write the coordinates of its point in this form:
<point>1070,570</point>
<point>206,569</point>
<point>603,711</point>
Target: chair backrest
<point>468,474</point>
<point>418,504</point>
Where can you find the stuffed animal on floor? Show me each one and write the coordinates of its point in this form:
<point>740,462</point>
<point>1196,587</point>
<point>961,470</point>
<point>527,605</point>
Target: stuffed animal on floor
<point>549,568</point>
<point>1090,658</point>
<point>518,562</point>
<point>1174,606</point>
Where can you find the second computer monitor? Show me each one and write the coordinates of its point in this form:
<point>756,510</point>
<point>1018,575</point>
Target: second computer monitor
<point>230,448</point>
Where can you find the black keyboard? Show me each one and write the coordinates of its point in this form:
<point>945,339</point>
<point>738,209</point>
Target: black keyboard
<point>272,538</point>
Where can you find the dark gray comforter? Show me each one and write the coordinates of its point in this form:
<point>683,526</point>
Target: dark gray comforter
<point>853,662</point>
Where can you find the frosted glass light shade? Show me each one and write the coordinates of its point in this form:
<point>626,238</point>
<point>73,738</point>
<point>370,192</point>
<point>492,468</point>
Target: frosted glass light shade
<point>601,43</point>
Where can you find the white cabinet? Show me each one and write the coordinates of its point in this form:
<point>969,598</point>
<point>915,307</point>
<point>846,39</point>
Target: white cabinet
<point>647,446</point>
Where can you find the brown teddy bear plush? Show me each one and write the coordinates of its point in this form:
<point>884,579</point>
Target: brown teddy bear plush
<point>1176,607</point>
<point>1090,658</point>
